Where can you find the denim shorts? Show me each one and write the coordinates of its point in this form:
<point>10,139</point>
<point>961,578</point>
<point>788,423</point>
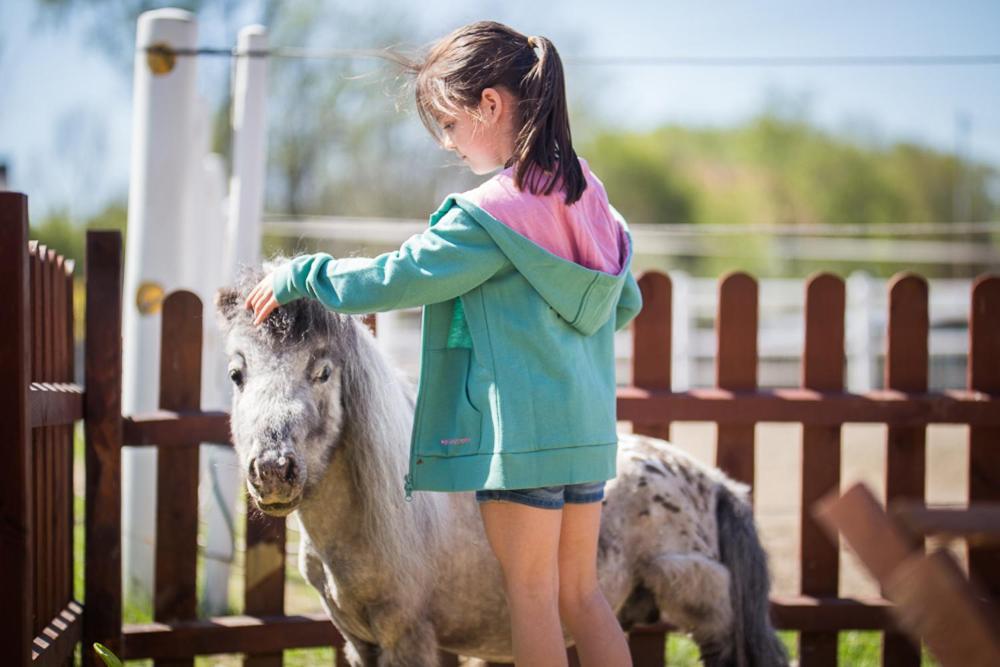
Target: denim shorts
<point>548,497</point>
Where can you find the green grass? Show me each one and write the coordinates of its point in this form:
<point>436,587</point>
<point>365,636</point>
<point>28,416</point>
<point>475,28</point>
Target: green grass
<point>855,648</point>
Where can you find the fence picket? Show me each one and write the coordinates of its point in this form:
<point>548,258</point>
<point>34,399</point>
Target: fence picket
<point>984,459</point>
<point>651,359</point>
<point>822,369</point>
<point>17,558</point>
<point>652,344</point>
<point>906,369</point>
<point>175,596</point>
<point>102,619</point>
<point>736,369</point>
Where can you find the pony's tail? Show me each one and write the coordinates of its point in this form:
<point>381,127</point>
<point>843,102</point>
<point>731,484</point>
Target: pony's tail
<point>754,642</point>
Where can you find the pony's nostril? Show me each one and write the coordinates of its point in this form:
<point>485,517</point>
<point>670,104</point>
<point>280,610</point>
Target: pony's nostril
<point>289,468</point>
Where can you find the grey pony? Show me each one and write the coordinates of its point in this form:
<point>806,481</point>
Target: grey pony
<point>321,421</point>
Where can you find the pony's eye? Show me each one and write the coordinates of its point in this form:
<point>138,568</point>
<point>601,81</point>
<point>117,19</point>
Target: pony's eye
<point>236,375</point>
<point>324,376</point>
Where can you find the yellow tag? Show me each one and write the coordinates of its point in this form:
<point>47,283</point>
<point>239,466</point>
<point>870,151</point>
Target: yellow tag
<point>149,298</point>
<point>161,58</point>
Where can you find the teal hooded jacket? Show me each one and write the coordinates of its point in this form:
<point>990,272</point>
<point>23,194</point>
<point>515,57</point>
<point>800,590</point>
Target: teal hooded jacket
<point>517,371</point>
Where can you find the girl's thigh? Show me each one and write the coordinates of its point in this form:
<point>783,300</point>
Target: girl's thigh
<point>525,539</point>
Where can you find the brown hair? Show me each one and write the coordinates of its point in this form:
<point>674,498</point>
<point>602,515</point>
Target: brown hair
<point>458,67</point>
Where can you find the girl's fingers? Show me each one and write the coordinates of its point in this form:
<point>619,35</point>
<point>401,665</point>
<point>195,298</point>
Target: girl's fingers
<point>261,301</point>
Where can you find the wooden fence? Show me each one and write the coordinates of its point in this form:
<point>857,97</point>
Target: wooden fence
<point>40,404</point>
<point>263,631</point>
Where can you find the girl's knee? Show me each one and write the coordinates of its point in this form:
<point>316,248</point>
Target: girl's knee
<point>531,584</point>
<point>573,597</point>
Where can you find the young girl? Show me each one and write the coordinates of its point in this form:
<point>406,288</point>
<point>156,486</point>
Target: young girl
<point>524,281</point>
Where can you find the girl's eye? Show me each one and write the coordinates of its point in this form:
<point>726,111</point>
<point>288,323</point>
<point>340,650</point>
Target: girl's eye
<point>448,127</point>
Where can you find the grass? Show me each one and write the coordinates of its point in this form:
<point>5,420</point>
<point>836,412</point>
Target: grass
<point>855,648</point>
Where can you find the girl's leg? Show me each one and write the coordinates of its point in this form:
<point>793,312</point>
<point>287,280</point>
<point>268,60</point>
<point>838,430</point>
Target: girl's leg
<point>525,540</point>
<point>589,618</point>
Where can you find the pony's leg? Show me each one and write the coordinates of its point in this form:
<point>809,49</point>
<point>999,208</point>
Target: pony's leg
<point>358,652</point>
<point>692,592</point>
<point>415,647</point>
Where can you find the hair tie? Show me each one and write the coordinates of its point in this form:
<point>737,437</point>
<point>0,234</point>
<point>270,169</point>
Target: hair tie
<point>533,42</point>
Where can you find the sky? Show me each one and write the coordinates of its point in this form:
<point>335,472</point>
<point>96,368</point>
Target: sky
<point>65,108</point>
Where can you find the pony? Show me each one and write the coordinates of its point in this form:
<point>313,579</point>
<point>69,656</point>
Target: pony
<point>321,420</point>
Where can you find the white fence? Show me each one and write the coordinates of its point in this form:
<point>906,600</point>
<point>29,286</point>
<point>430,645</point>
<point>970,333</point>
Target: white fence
<point>780,336</point>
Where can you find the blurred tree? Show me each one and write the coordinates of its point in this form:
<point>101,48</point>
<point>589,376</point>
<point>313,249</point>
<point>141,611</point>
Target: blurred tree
<point>646,184</point>
<point>343,138</point>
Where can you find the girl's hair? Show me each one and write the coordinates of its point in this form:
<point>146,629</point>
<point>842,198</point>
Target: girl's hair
<point>458,67</point>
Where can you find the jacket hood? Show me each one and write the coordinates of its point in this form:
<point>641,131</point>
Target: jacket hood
<point>586,298</point>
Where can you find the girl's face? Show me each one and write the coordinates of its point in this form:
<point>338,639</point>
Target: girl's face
<point>484,143</point>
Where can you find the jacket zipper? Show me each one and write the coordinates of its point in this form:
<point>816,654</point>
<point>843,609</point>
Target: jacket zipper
<point>408,478</point>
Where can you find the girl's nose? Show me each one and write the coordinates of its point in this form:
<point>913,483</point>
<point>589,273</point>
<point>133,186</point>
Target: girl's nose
<point>448,143</point>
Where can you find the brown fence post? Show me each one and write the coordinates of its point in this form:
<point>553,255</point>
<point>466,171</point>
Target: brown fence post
<point>70,375</point>
<point>102,619</point>
<point>176,558</point>
<point>736,369</point>
<point>40,439</point>
<point>264,574</point>
<point>651,357</point>
<point>984,458</point>
<point>906,362</point>
<point>651,343</point>
<point>822,370</point>
<point>16,557</point>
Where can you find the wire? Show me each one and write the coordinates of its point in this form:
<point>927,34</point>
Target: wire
<point>641,61</point>
<point>791,61</point>
<point>280,52</point>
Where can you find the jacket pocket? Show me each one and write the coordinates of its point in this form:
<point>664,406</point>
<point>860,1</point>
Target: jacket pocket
<point>451,424</point>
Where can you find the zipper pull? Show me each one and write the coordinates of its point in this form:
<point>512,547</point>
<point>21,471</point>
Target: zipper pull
<point>408,488</point>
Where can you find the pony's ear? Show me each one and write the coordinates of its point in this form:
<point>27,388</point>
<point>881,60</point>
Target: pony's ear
<point>228,304</point>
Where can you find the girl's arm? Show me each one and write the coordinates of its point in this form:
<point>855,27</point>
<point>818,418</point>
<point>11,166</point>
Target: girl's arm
<point>629,302</point>
<point>449,258</point>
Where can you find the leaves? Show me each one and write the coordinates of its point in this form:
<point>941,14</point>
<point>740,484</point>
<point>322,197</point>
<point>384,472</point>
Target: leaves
<point>109,658</point>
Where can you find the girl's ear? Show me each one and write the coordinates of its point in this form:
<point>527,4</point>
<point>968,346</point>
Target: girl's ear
<point>491,105</point>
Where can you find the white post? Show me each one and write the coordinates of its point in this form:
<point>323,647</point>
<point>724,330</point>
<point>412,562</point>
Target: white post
<point>204,244</point>
<point>219,474</point>
<point>681,319</point>
<point>246,191</point>
<point>239,244</point>
<point>860,349</point>
<point>163,97</point>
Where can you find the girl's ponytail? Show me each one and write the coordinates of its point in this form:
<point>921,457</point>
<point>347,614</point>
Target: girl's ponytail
<point>544,142</point>
<point>461,65</point>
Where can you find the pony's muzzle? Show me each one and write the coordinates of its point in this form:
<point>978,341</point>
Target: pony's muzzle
<point>274,476</point>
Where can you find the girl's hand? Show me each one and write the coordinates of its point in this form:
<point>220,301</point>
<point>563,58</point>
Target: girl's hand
<point>261,300</point>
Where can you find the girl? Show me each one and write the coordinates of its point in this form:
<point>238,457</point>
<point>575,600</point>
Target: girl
<point>524,281</point>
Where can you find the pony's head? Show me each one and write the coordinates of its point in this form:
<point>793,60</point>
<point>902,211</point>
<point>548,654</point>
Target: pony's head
<point>288,374</point>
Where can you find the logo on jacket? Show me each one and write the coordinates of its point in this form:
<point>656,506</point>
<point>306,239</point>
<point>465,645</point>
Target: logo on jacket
<point>454,441</point>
